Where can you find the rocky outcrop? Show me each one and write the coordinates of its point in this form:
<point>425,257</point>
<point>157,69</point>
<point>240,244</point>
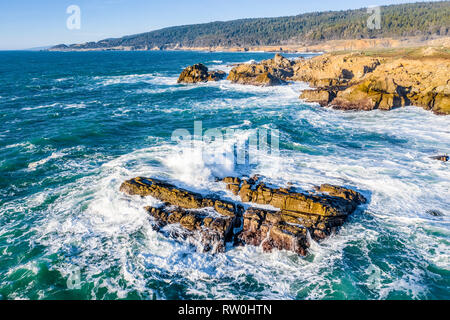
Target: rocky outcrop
<point>213,222</point>
<point>358,81</point>
<point>176,196</point>
<point>317,214</point>
<point>287,200</point>
<point>334,70</point>
<point>352,81</point>
<point>212,228</point>
<point>200,227</point>
<point>271,72</point>
<point>199,73</point>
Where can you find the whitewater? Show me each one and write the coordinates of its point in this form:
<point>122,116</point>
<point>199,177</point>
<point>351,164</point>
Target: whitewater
<point>74,126</point>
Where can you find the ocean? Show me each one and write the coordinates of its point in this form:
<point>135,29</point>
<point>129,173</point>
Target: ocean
<point>75,125</point>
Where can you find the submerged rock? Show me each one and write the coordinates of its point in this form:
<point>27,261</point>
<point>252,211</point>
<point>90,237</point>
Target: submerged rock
<point>435,213</point>
<point>443,158</point>
<point>213,222</point>
<point>199,73</point>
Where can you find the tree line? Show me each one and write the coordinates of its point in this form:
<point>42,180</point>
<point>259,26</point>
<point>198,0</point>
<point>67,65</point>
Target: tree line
<point>415,19</point>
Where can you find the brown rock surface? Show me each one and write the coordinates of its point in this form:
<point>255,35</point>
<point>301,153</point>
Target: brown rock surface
<point>199,73</point>
<point>212,230</point>
<point>331,70</point>
<point>379,80</point>
<point>213,222</point>
<point>284,199</point>
<point>175,196</point>
<point>317,214</point>
<point>266,73</point>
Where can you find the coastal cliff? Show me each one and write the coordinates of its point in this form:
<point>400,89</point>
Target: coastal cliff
<point>364,80</point>
<point>379,80</point>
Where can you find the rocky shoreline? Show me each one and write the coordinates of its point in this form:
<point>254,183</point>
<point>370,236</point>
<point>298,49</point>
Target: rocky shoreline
<point>296,219</point>
<point>296,47</point>
<point>284,218</point>
<point>357,80</point>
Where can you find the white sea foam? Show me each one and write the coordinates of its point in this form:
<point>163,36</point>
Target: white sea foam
<point>40,107</point>
<point>105,232</point>
<point>75,106</point>
<point>136,78</point>
<point>108,228</point>
<point>54,155</point>
<point>26,145</point>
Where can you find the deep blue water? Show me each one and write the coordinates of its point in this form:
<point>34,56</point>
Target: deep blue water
<point>73,126</point>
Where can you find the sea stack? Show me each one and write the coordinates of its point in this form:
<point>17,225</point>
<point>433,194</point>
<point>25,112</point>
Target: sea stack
<point>199,73</point>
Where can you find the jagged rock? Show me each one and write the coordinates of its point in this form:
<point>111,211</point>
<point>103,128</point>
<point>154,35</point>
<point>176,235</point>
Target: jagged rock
<point>212,230</point>
<point>357,81</point>
<point>371,94</point>
<point>322,96</point>
<point>199,73</point>
<point>334,69</point>
<point>176,196</point>
<point>341,192</point>
<point>213,222</point>
<point>265,228</point>
<point>266,73</point>
<point>317,214</point>
<point>216,75</point>
<point>295,202</point>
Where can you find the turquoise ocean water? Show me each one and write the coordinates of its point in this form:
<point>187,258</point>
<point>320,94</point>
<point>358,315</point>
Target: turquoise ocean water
<point>73,126</point>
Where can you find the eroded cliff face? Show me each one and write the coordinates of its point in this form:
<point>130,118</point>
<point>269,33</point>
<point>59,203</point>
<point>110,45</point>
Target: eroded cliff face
<point>212,222</point>
<point>359,82</point>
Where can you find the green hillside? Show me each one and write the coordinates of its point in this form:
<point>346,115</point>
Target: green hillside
<point>416,19</point>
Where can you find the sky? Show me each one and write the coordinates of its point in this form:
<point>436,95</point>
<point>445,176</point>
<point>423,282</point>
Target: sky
<point>28,24</point>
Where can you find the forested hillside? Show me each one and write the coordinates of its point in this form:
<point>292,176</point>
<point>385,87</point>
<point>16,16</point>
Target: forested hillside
<point>416,19</point>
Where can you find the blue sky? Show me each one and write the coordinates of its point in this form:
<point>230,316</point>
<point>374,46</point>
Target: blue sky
<point>34,23</point>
